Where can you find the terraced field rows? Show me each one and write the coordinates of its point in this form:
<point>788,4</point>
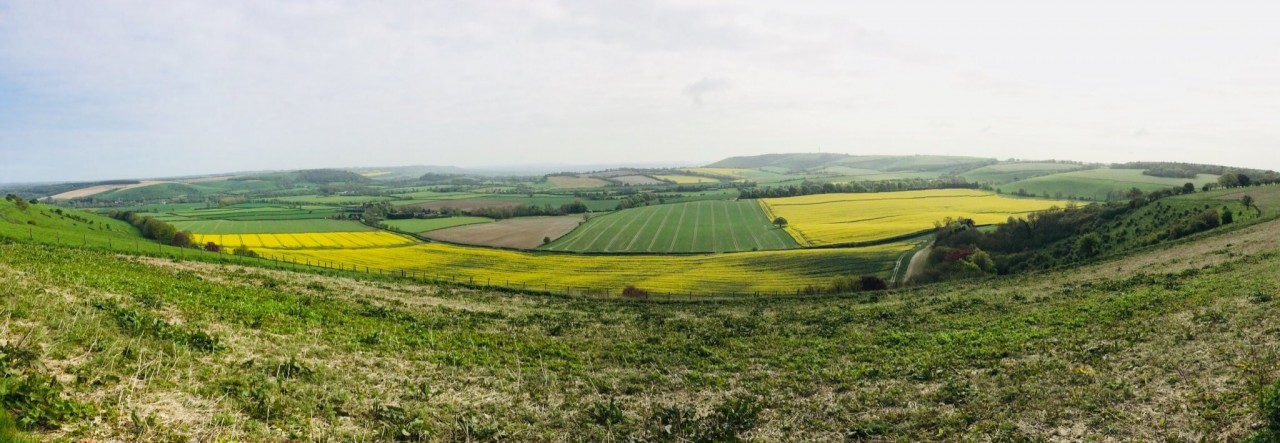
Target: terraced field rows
<point>745,272</point>
<point>702,226</point>
<point>305,240</point>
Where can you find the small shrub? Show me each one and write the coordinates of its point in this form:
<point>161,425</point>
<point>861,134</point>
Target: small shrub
<point>606,414</point>
<point>633,292</point>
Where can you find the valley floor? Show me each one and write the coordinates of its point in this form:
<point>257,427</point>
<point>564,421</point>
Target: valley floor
<point>1170,344</point>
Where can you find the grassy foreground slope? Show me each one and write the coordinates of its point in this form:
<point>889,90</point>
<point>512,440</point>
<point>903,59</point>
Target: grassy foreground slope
<point>1173,344</point>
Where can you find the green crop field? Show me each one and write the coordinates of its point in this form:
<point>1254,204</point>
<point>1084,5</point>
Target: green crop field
<point>259,212</point>
<point>704,226</point>
<point>269,226</point>
<point>1095,184</point>
<point>428,195</point>
<point>1011,172</point>
<point>431,224</point>
<point>335,199</point>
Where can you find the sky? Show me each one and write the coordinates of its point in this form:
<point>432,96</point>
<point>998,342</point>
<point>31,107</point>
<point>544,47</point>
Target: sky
<point>128,89</point>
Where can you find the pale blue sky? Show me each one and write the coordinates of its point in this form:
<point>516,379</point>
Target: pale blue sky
<point>115,89</point>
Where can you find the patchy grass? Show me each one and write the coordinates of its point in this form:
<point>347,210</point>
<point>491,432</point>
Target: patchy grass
<point>1173,344</point>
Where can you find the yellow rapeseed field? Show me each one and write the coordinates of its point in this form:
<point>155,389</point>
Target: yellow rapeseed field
<point>746,272</point>
<point>361,239</point>
<point>832,219</point>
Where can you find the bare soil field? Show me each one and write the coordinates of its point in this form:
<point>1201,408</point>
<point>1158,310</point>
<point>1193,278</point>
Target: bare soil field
<point>522,232</point>
<point>637,180</point>
<point>572,182</point>
<point>94,190</point>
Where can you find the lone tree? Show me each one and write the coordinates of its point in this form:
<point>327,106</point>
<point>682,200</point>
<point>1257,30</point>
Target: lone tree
<point>1088,245</point>
<point>1247,201</point>
<point>780,221</point>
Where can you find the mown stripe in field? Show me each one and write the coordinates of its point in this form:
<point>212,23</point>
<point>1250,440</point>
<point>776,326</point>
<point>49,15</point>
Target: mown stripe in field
<point>733,236</point>
<point>646,225</point>
<point>622,232</point>
<point>603,229</point>
<point>657,229</point>
<point>679,228</point>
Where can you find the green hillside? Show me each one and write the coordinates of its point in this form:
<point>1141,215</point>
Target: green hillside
<point>50,224</point>
<point>1171,344</point>
<point>1010,172</point>
<point>158,191</point>
<point>1097,184</point>
<point>815,161</point>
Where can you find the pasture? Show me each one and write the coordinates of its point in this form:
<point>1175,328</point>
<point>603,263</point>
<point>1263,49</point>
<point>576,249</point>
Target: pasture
<point>431,224</point>
<point>702,226</point>
<point>742,272</point>
<point>1096,184</point>
<point>268,226</point>
<point>347,240</point>
<point>1266,198</point>
<point>834,219</point>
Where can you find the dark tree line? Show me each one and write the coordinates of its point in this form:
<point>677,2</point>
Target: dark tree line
<point>496,212</point>
<point>1060,236</point>
<point>1188,170</point>
<point>155,229</point>
<point>637,200</point>
<point>811,187</point>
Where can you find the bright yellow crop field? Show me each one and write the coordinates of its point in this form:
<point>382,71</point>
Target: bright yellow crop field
<point>362,239</point>
<point>746,272</point>
<point>832,219</point>
<point>686,179</point>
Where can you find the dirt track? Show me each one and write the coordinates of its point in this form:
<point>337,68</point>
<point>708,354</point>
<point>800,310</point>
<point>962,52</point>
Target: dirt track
<point>94,190</point>
<point>916,262</point>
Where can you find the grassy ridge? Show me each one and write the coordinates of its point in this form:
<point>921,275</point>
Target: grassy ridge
<point>1095,184</point>
<point>703,226</point>
<point>1177,351</point>
<point>1010,172</point>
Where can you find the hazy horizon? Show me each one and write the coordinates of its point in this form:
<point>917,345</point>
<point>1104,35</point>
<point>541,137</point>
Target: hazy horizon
<point>132,90</point>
